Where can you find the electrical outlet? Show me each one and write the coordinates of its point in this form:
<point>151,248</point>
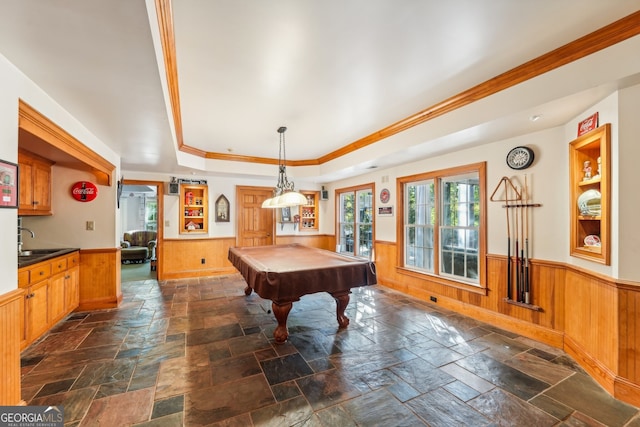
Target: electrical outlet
<point>202,261</point>
<point>91,225</point>
<point>434,299</point>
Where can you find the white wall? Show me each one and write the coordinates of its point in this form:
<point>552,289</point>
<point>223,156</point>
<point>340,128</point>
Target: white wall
<point>8,152</point>
<point>67,226</point>
<point>607,110</point>
<point>627,194</point>
<point>548,182</point>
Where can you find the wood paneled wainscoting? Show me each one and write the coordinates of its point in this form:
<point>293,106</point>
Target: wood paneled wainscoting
<point>99,279</point>
<point>182,258</point>
<point>595,319</point>
<point>321,241</point>
<point>11,311</point>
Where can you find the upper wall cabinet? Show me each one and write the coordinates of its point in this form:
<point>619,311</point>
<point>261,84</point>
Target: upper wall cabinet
<point>34,184</point>
<point>194,208</point>
<point>590,192</point>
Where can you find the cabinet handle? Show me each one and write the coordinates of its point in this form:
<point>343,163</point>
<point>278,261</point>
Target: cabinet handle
<point>35,202</point>
<point>42,273</point>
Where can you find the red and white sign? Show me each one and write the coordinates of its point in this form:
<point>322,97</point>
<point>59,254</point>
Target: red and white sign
<point>588,124</point>
<point>84,191</point>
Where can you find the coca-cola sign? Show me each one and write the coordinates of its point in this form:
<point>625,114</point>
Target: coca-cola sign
<point>588,124</point>
<point>84,191</point>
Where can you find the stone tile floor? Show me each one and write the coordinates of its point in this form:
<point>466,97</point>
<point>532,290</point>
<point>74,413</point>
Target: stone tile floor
<point>199,352</point>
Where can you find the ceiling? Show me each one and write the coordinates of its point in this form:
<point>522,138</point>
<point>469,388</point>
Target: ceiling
<point>334,72</point>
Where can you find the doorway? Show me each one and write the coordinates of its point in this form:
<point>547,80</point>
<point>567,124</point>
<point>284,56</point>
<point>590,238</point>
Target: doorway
<point>140,206</point>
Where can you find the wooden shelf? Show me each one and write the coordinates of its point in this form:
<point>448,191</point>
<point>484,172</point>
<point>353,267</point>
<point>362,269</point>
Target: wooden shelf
<point>309,214</point>
<point>590,147</point>
<point>194,206</point>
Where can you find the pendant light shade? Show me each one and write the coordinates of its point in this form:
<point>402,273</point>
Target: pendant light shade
<point>284,194</point>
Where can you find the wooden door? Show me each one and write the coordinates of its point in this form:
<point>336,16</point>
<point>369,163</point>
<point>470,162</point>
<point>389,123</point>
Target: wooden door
<point>255,223</point>
<point>36,306</point>
<point>42,187</point>
<point>26,187</point>
<point>55,298</point>
<point>72,290</point>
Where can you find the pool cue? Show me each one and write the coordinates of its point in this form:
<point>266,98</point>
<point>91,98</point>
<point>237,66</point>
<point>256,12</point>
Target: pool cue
<point>518,290</point>
<point>527,284</point>
<point>506,200</point>
<point>522,260</point>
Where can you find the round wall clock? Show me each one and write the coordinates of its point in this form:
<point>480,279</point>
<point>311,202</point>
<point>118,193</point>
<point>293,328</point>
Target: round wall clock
<point>384,195</point>
<point>520,158</point>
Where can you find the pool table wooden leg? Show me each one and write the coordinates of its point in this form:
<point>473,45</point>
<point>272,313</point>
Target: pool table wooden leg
<point>342,301</point>
<point>281,311</point>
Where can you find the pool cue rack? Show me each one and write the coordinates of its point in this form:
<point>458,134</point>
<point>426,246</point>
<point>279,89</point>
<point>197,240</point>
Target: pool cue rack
<point>517,216</point>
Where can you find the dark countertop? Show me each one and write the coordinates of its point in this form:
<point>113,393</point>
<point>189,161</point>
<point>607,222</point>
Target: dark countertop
<point>40,255</point>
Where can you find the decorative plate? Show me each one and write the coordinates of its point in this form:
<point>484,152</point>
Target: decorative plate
<point>384,195</point>
<point>520,158</point>
<point>592,240</point>
<point>589,203</point>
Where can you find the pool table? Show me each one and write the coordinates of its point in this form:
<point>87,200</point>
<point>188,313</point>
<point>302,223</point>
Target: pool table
<point>284,273</point>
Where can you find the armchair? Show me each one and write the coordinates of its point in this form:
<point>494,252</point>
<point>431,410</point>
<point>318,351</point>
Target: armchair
<point>138,246</point>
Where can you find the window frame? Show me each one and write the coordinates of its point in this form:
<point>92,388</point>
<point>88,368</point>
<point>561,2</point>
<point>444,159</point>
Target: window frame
<point>436,276</point>
<point>356,223</point>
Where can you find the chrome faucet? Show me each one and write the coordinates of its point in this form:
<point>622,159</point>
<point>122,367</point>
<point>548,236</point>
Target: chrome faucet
<point>33,235</point>
<point>20,230</point>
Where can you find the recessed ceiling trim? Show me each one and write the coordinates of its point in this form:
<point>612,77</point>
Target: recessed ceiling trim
<point>600,39</point>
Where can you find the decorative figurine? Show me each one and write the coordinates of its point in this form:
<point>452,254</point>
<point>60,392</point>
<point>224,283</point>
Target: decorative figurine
<point>587,170</point>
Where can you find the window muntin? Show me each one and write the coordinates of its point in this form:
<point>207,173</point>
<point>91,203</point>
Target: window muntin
<point>460,226</point>
<point>355,222</point>
<point>419,223</point>
<point>442,223</point>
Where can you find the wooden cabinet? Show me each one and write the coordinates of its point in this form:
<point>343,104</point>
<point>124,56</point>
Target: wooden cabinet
<point>309,215</point>
<point>36,311</point>
<point>51,291</point>
<point>56,298</point>
<point>194,209</point>
<point>590,195</point>
<point>72,289</point>
<point>34,184</point>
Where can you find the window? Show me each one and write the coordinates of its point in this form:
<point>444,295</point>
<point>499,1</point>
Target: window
<point>443,223</point>
<point>355,221</point>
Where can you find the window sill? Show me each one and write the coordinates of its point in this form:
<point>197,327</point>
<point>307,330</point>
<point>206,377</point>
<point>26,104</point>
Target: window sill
<point>476,289</point>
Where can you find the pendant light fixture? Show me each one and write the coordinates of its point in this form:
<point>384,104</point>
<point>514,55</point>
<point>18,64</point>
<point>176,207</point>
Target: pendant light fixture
<point>284,195</point>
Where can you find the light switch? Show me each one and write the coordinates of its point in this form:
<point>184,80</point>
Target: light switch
<point>91,225</point>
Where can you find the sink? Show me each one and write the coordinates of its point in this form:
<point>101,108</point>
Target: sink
<point>32,256</point>
<point>33,253</point>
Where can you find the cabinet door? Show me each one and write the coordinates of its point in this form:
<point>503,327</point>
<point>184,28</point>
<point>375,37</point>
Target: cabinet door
<point>72,289</point>
<point>41,188</point>
<point>56,298</point>
<point>26,186</point>
<point>36,310</point>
